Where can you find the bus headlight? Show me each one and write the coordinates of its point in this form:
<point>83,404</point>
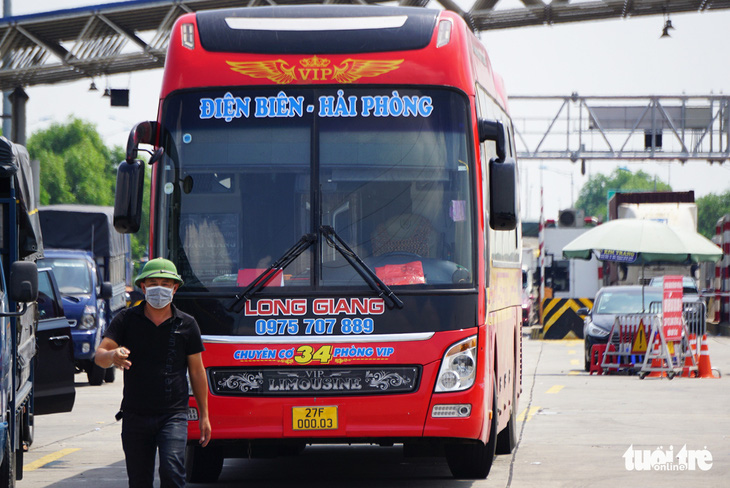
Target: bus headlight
<point>88,319</point>
<point>458,367</point>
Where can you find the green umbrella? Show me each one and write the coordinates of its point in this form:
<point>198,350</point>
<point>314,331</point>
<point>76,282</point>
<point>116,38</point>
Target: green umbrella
<point>637,241</point>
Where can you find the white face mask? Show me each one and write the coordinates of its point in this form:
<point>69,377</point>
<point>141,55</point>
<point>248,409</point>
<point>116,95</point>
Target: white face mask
<point>158,296</point>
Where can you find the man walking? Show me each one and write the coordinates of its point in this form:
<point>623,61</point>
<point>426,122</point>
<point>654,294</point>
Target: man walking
<point>155,344</point>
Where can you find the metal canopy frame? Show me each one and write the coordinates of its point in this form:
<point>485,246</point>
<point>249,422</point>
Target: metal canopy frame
<point>121,37</point>
<point>631,128</point>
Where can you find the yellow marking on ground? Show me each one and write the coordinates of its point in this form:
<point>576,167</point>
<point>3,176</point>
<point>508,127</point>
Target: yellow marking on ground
<point>555,389</point>
<point>572,351</point>
<point>574,372</point>
<point>575,362</point>
<point>528,414</point>
<point>54,456</point>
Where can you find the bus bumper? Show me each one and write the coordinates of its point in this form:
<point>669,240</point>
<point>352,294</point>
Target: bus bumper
<point>373,417</point>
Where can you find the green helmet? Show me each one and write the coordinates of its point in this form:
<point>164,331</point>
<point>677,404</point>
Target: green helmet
<point>158,268</point>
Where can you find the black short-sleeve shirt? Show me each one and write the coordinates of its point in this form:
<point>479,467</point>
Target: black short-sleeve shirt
<point>156,381</point>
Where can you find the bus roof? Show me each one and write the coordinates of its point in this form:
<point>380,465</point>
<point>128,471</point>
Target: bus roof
<point>316,29</point>
<point>327,44</point>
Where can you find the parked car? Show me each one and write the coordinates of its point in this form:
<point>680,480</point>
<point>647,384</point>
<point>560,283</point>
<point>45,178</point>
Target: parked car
<point>54,369</point>
<point>529,306</point>
<point>611,301</point>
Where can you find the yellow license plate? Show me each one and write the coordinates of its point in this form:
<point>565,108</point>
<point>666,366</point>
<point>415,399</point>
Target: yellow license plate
<point>314,418</point>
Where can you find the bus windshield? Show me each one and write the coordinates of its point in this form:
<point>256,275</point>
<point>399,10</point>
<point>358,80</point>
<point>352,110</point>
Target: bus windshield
<point>248,173</point>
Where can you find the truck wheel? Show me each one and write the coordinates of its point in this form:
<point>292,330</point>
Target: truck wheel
<point>203,464</point>
<point>7,468</point>
<point>109,375</point>
<point>474,460</point>
<point>28,428</point>
<point>95,374</point>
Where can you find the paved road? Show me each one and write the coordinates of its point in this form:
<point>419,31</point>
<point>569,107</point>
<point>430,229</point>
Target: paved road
<point>575,431</point>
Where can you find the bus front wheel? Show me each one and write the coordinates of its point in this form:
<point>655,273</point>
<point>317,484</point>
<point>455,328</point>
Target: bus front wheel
<point>474,460</point>
<point>507,439</point>
<point>202,464</point>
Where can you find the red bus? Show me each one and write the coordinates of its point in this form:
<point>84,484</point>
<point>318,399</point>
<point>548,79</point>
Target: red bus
<point>338,189</point>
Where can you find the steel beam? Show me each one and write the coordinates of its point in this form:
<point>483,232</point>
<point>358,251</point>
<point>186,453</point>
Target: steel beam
<point>99,33</point>
<point>580,128</point>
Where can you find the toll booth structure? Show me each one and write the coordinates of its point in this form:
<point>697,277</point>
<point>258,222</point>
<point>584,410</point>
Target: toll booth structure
<point>570,284</point>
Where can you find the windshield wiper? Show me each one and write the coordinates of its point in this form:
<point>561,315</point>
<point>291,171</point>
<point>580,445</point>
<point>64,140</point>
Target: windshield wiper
<point>285,260</point>
<point>365,271</point>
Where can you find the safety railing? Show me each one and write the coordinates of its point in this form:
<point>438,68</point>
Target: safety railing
<point>633,336</point>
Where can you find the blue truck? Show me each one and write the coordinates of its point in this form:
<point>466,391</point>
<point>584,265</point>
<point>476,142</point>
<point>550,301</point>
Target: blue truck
<point>21,244</point>
<point>91,262</point>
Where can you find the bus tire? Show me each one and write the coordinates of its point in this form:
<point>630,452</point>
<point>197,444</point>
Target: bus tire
<point>95,374</point>
<point>507,439</point>
<point>109,375</point>
<point>7,468</point>
<point>474,460</point>
<point>202,464</point>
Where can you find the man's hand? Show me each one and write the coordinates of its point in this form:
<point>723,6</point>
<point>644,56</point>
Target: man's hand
<point>119,358</point>
<point>205,431</point>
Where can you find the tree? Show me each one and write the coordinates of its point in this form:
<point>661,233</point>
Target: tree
<point>593,197</point>
<point>77,167</point>
<point>709,210</point>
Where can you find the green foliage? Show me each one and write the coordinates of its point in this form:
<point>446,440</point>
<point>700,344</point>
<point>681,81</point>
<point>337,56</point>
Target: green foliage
<point>709,210</point>
<point>77,167</point>
<point>593,197</point>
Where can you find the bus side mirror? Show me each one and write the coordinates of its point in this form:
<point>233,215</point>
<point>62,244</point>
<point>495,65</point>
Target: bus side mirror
<point>23,282</point>
<point>142,133</point>
<point>128,198</point>
<point>503,194</point>
<point>493,130</point>
<point>130,178</point>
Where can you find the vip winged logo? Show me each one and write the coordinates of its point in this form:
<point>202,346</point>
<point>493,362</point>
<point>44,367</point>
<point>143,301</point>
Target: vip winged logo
<point>277,70</point>
<point>353,69</point>
<point>315,69</point>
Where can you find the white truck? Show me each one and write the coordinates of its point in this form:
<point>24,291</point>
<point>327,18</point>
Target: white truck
<point>569,278</point>
<point>677,209</point>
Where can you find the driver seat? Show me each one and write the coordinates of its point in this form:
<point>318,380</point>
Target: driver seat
<point>411,233</point>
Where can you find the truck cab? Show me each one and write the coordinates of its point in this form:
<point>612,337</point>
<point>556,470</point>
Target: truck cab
<point>92,264</point>
<point>84,298</point>
<point>22,245</point>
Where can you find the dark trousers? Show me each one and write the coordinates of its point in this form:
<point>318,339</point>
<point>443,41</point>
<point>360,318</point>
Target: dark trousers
<point>143,436</point>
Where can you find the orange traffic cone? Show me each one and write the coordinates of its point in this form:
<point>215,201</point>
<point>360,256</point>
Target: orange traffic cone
<point>705,368</point>
<point>691,358</point>
<point>656,363</point>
